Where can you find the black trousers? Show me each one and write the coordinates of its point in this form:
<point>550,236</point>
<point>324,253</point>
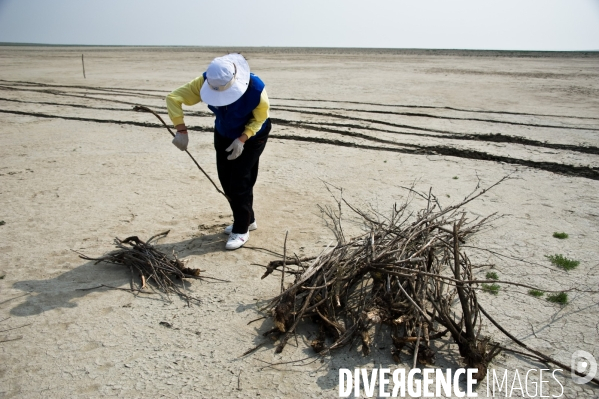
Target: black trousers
<point>238,176</point>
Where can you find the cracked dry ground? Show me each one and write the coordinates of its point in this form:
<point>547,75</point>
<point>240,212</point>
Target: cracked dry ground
<point>78,167</point>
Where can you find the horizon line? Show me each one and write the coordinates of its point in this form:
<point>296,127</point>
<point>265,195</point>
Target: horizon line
<point>32,44</point>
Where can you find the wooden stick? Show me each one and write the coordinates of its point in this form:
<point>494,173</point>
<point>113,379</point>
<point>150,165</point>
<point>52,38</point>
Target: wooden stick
<point>460,286</point>
<point>414,273</point>
<point>414,303</point>
<point>284,260</point>
<point>292,329</point>
<point>141,108</point>
<point>83,65</point>
<point>114,288</point>
<point>539,354</point>
<point>255,348</point>
<point>417,346</point>
<point>259,318</point>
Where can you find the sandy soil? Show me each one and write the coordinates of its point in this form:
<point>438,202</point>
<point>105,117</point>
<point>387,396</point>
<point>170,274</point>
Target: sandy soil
<point>78,168</point>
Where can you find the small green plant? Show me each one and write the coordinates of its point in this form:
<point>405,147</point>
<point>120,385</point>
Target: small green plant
<point>561,298</point>
<point>492,276</point>
<point>563,262</point>
<point>536,293</point>
<point>455,178</point>
<point>2,222</point>
<point>2,277</point>
<point>561,236</point>
<point>491,288</point>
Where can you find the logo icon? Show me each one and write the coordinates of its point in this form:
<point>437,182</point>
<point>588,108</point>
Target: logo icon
<point>583,362</point>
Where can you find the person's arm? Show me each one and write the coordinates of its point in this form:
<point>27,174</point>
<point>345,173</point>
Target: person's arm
<point>259,115</point>
<point>188,94</point>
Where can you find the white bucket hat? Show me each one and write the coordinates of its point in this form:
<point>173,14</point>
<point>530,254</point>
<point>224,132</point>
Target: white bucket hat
<point>227,78</point>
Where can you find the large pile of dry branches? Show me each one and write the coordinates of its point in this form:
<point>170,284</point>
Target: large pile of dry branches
<point>407,272</point>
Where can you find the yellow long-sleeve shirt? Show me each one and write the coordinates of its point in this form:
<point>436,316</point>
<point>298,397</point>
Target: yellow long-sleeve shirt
<point>189,94</point>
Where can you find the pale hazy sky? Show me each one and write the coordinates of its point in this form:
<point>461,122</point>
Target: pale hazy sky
<point>458,24</point>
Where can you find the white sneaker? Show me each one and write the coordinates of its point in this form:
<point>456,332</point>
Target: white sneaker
<point>237,240</point>
<point>251,227</point>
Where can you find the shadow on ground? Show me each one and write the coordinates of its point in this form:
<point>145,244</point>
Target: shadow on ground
<point>350,357</point>
<point>64,290</point>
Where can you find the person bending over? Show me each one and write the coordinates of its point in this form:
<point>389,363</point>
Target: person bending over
<point>241,108</point>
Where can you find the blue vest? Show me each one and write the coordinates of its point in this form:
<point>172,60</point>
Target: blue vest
<point>231,119</point>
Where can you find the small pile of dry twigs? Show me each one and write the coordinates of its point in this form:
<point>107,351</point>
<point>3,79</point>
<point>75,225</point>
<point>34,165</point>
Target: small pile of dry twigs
<point>151,265</point>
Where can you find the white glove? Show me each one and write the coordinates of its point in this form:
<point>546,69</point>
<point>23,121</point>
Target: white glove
<point>237,148</point>
<point>181,140</point>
